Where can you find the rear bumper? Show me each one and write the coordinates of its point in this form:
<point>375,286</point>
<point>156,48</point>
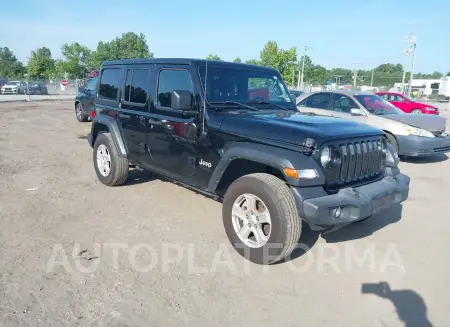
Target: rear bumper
<point>318,208</point>
<point>418,146</point>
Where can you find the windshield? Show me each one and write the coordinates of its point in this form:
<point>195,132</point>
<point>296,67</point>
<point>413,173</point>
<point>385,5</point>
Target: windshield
<point>246,85</point>
<point>376,105</point>
<point>12,83</point>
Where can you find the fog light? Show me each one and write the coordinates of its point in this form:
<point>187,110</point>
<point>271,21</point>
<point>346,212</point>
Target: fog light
<point>336,213</point>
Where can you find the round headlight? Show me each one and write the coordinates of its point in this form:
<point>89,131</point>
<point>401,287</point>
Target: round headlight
<point>325,156</point>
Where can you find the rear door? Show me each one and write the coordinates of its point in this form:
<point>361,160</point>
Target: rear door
<point>318,103</point>
<point>134,106</point>
<point>87,100</point>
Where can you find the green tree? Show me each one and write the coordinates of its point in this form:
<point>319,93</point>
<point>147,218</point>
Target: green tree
<point>238,60</point>
<point>9,65</point>
<point>253,62</point>
<point>41,64</point>
<point>128,46</point>
<point>284,61</point>
<point>76,59</point>
<point>213,57</point>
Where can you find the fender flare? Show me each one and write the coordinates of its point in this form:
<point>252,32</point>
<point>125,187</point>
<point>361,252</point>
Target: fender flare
<point>276,157</point>
<point>114,130</point>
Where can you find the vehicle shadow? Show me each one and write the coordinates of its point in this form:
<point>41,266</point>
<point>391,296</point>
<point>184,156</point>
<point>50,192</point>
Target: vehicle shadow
<point>424,160</point>
<point>307,240</point>
<point>410,306</point>
<point>365,228</point>
<point>139,176</point>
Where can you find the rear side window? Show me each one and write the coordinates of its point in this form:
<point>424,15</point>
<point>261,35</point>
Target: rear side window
<point>170,80</point>
<point>110,83</point>
<point>318,100</point>
<point>136,87</point>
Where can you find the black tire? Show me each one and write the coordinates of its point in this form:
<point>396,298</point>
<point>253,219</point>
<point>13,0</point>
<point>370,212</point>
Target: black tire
<point>118,167</point>
<point>391,139</point>
<point>81,116</point>
<point>416,112</point>
<point>285,222</point>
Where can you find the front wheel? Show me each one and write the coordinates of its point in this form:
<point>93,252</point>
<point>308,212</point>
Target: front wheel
<point>416,112</point>
<point>111,169</point>
<point>260,218</point>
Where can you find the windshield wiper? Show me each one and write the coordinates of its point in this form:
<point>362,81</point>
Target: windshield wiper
<point>237,104</point>
<point>273,104</point>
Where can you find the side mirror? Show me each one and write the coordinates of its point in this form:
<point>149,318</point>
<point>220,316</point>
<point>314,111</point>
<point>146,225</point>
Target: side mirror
<point>181,100</point>
<point>356,112</point>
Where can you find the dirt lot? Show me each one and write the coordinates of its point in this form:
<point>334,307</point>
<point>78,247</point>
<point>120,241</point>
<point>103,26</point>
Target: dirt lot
<point>76,253</point>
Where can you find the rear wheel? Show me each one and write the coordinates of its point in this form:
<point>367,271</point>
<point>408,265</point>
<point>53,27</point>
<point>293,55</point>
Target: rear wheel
<point>111,169</point>
<point>81,116</point>
<point>260,218</point>
<point>416,112</point>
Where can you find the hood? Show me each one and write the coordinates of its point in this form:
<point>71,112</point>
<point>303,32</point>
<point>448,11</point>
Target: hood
<point>294,127</point>
<point>432,123</point>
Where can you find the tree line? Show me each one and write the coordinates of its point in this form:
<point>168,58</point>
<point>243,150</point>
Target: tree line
<point>77,60</point>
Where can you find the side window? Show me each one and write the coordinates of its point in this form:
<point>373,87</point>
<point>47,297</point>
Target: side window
<point>136,85</point>
<point>92,84</point>
<point>170,80</point>
<point>343,103</point>
<point>384,96</point>
<point>318,100</point>
<point>399,98</point>
<point>110,83</point>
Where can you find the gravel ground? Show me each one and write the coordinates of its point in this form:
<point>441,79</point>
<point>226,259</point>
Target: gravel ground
<point>61,230</point>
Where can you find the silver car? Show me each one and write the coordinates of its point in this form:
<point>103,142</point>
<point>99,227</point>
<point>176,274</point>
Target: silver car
<point>411,135</point>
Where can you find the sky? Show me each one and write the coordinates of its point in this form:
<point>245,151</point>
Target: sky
<point>354,34</point>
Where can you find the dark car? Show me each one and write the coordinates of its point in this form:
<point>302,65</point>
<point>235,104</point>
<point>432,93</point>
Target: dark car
<point>232,132</point>
<point>36,88</point>
<point>84,101</point>
<point>296,93</point>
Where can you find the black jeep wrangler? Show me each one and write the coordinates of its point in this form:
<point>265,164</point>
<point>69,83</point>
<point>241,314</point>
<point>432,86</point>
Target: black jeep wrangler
<point>232,131</point>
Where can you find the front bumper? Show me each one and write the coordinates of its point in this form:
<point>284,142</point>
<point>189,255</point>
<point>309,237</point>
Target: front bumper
<point>10,91</point>
<point>418,146</point>
<point>317,208</point>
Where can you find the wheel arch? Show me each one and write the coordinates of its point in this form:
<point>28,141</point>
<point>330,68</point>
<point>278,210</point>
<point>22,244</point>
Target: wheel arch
<point>245,158</point>
<point>102,124</point>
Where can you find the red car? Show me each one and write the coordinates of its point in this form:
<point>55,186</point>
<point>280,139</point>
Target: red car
<point>408,104</point>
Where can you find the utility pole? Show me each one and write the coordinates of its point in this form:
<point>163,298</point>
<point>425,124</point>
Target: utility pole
<point>300,86</point>
<point>403,80</point>
<point>355,76</point>
<point>411,48</point>
<point>371,81</point>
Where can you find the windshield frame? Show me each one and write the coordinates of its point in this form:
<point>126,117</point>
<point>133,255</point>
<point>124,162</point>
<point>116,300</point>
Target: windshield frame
<point>265,73</point>
<point>395,110</point>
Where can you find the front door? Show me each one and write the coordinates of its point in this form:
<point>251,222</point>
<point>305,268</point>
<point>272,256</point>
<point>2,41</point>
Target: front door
<point>172,136</point>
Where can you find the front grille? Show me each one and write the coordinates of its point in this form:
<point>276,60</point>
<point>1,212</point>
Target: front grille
<point>361,161</point>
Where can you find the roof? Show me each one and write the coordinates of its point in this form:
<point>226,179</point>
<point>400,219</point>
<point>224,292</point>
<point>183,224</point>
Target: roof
<point>349,92</point>
<point>180,61</point>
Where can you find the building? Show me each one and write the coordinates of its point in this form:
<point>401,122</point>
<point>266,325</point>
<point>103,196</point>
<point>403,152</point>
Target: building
<point>424,87</point>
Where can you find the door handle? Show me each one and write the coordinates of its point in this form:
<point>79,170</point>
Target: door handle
<point>142,120</point>
<point>124,116</point>
<point>152,121</point>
